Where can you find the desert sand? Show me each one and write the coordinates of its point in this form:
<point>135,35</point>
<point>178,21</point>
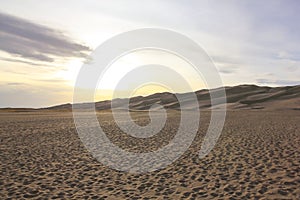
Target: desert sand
<point>257,157</point>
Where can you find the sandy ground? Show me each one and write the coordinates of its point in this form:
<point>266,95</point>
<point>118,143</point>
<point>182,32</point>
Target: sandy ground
<point>257,156</point>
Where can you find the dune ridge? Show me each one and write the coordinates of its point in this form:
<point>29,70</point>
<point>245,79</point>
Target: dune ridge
<point>238,97</point>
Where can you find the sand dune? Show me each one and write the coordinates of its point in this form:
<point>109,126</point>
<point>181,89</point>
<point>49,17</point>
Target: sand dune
<point>256,157</point>
<point>238,97</point>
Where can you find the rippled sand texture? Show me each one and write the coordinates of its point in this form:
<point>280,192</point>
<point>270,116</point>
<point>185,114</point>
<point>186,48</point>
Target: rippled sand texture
<point>257,156</point>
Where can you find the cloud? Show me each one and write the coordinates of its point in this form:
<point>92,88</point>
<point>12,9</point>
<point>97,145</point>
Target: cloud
<point>227,71</point>
<point>54,81</point>
<point>15,84</point>
<point>26,62</point>
<point>277,82</point>
<point>36,42</point>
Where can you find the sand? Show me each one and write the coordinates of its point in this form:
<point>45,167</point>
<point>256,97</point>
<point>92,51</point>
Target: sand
<point>246,97</point>
<point>257,156</point>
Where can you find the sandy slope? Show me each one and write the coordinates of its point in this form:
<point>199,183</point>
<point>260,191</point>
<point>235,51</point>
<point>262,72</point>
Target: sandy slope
<point>257,156</point>
<point>238,97</point>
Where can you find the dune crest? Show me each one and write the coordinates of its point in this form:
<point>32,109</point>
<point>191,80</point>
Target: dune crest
<point>238,97</point>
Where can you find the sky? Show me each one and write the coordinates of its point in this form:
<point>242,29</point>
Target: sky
<point>43,44</point>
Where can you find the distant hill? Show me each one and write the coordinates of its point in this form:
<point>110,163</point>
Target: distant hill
<point>238,97</point>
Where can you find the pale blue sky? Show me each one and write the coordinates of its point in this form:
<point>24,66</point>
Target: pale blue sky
<point>44,42</point>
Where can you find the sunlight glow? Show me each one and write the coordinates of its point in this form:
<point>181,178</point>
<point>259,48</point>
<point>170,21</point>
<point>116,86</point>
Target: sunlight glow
<point>71,71</point>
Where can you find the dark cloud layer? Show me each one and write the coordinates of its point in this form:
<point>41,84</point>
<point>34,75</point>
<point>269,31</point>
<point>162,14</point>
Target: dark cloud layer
<point>28,40</point>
